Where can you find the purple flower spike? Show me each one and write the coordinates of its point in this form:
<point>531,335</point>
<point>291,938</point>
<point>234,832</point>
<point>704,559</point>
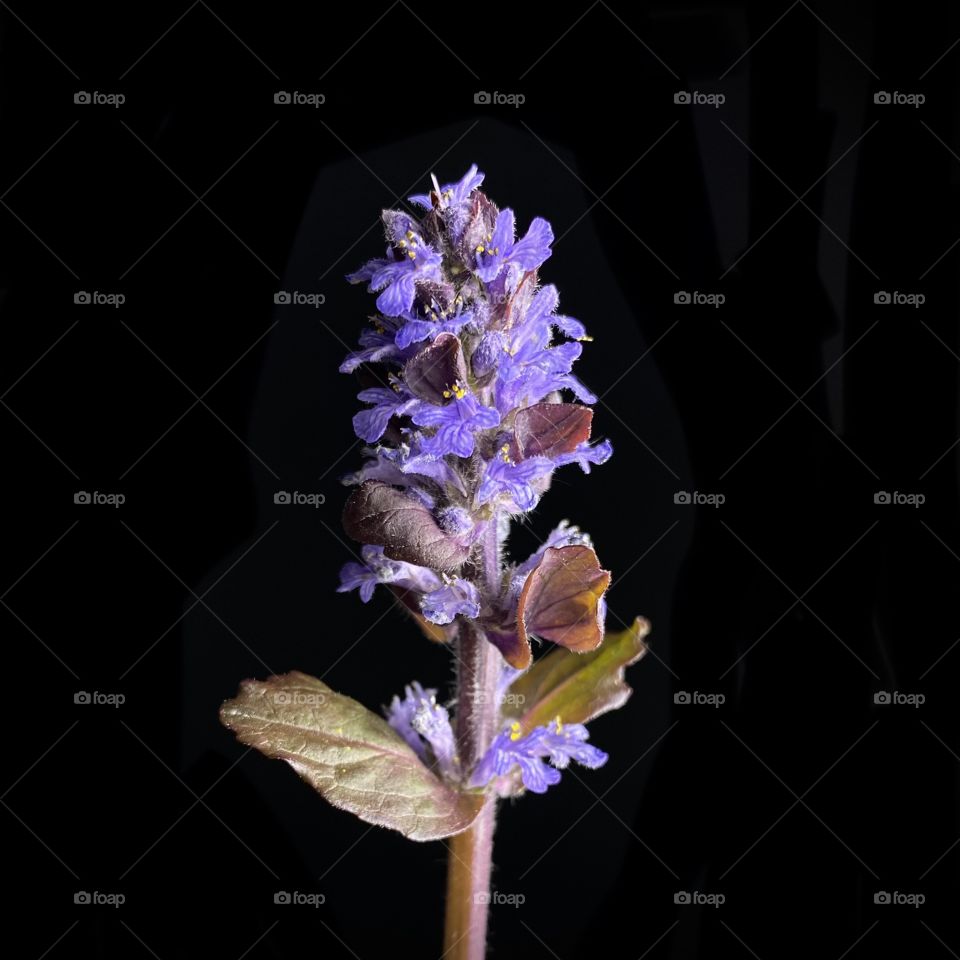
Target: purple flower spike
<point>558,742</point>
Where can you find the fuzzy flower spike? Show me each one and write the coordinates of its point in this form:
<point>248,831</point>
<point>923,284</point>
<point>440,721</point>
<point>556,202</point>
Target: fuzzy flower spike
<point>467,405</point>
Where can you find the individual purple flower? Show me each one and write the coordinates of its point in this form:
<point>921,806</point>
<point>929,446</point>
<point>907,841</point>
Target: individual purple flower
<point>501,248</point>
<point>410,262</point>
<point>400,715</point>
<point>586,454</point>
<point>432,722</point>
<point>377,568</point>
<point>558,742</point>
<point>423,723</point>
<point>435,322</point>
<point>451,193</point>
<point>454,597</point>
<point>378,345</point>
<point>371,424</point>
<point>504,478</point>
<point>456,422</point>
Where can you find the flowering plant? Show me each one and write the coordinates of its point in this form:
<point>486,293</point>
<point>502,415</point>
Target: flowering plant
<point>464,368</point>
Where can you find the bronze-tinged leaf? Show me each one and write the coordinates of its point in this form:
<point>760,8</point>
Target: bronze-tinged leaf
<point>514,647</point>
<point>560,600</point>
<point>436,368</point>
<point>349,754</point>
<point>548,429</point>
<point>380,514</point>
<point>577,686</point>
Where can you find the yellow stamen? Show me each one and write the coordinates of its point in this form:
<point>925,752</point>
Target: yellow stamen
<point>410,234</point>
<point>586,338</point>
<point>559,724</point>
<point>412,254</point>
<point>515,730</point>
<point>479,248</point>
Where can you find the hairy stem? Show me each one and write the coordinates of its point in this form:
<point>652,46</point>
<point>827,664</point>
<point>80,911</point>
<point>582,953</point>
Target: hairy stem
<point>471,852</point>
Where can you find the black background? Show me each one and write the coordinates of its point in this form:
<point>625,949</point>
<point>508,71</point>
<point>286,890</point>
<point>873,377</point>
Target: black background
<point>798,399</point>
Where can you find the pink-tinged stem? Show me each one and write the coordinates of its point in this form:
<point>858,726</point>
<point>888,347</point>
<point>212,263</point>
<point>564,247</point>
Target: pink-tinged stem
<point>471,852</point>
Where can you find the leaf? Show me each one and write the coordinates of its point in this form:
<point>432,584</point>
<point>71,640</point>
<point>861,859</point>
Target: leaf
<point>436,368</point>
<point>382,515</point>
<point>349,754</point>
<point>577,686</point>
<point>560,600</point>
<point>548,429</point>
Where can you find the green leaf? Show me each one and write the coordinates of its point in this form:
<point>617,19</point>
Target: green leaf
<point>577,686</point>
<point>349,754</point>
